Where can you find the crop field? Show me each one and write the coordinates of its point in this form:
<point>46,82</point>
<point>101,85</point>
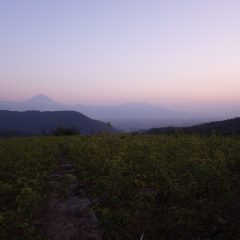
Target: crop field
<point>165,187</point>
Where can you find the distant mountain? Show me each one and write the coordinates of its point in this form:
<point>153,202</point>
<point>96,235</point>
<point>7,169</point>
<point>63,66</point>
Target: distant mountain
<point>39,102</point>
<point>107,113</point>
<point>40,99</point>
<point>128,116</point>
<point>226,127</point>
<point>129,111</point>
<point>34,122</point>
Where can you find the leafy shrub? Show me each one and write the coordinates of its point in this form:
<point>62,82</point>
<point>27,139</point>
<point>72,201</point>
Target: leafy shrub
<point>64,131</point>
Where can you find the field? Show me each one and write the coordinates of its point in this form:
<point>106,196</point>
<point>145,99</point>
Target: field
<point>165,186</point>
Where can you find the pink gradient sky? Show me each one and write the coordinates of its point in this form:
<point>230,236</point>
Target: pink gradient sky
<point>183,54</point>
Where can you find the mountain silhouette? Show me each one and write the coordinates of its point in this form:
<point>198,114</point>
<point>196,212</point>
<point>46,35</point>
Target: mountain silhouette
<point>107,113</point>
<point>41,98</point>
<point>225,127</point>
<point>129,116</point>
<point>34,122</point>
<point>40,103</point>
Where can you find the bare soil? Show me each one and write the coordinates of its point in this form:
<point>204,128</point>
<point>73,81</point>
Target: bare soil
<point>68,215</point>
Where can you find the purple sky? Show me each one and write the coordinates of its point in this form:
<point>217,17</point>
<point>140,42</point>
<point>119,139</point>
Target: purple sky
<point>176,53</point>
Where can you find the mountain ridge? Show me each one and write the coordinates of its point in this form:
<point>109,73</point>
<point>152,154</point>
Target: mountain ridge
<point>40,98</point>
<point>126,110</point>
<point>225,127</point>
<point>34,122</point>
<point>129,116</point>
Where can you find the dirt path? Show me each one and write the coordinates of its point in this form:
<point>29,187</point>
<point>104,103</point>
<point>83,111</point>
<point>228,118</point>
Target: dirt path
<point>68,215</point>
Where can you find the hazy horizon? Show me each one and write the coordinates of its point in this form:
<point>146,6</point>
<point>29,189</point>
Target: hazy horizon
<point>177,54</point>
<point>215,108</point>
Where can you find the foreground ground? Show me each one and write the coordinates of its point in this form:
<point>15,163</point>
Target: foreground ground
<point>167,187</point>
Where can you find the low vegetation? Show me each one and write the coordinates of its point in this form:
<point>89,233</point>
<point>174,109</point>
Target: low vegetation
<point>62,131</point>
<point>165,186</point>
<point>25,165</point>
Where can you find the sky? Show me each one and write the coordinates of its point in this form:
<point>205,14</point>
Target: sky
<point>175,53</point>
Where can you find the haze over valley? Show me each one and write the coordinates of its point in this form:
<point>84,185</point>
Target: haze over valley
<point>126,117</point>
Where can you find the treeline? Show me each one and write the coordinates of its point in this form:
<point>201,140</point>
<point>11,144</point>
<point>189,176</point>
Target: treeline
<point>62,131</point>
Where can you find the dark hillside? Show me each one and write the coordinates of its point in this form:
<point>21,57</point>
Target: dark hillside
<point>34,122</point>
<point>226,127</point>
